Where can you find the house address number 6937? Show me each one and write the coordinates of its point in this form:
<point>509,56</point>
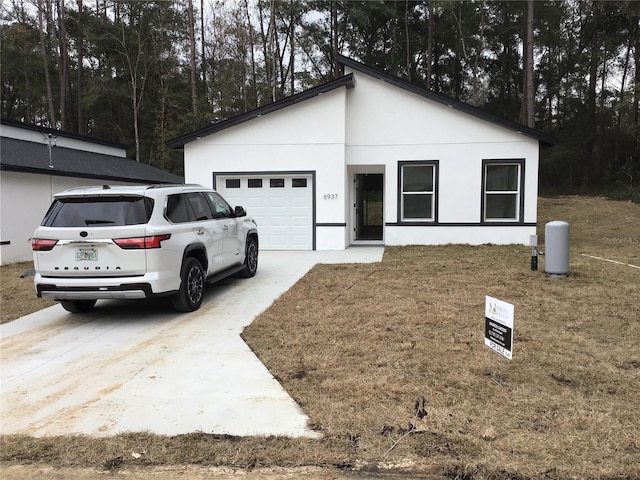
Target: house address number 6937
<point>330,196</point>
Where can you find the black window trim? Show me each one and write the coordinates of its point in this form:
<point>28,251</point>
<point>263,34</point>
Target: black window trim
<point>191,213</point>
<point>436,190</point>
<point>275,182</point>
<point>205,200</point>
<point>234,180</point>
<point>300,181</point>
<point>520,207</point>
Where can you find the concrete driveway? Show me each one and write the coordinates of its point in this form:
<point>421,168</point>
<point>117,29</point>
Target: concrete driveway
<point>139,366</point>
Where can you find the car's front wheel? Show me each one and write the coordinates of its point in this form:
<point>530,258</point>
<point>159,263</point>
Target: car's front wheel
<point>77,306</point>
<point>189,297</point>
<point>251,258</point>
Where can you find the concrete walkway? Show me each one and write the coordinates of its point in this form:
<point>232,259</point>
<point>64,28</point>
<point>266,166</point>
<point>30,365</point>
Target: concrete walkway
<point>139,366</point>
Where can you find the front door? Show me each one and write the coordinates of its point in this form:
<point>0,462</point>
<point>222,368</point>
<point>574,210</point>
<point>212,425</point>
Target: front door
<point>369,202</point>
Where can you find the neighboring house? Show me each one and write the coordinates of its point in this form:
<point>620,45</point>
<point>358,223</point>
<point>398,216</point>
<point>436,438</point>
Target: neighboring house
<point>369,158</point>
<point>30,176</point>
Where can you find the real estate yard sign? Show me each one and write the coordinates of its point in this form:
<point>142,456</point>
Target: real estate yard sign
<point>498,330</point>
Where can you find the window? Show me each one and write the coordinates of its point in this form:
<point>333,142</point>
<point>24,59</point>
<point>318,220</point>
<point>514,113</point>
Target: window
<point>276,183</point>
<point>220,207</point>
<point>502,190</point>
<point>417,191</point>
<point>232,183</point>
<point>99,212</point>
<point>178,209</point>
<point>200,206</point>
<point>255,183</point>
<point>299,183</point>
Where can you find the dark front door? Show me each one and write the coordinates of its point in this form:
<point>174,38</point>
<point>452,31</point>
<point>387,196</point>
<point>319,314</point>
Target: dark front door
<point>369,201</point>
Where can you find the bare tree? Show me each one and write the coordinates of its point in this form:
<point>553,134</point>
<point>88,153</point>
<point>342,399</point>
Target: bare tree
<point>192,58</point>
<point>527,113</point>
<point>334,37</point>
<point>80,79</point>
<point>431,27</point>
<point>203,53</point>
<point>135,64</point>
<point>63,65</point>
<point>254,83</point>
<point>43,49</point>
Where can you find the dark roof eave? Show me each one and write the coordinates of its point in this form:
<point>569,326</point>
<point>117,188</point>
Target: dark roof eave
<point>344,81</point>
<point>66,173</point>
<point>59,133</point>
<point>544,138</point>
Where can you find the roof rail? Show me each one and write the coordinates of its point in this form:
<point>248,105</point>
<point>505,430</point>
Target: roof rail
<point>167,185</point>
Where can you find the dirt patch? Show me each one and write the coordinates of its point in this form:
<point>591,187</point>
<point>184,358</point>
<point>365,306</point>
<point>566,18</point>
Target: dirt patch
<point>194,472</point>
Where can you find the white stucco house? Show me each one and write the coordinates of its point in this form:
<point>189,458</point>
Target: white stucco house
<point>29,177</point>
<point>371,159</point>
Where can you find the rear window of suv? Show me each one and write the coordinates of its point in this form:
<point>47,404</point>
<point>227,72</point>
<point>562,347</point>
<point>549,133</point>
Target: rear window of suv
<point>99,211</point>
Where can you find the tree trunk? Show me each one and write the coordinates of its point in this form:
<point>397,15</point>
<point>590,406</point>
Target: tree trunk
<point>264,36</point>
<point>292,52</point>
<point>636,95</point>
<point>406,34</point>
<point>203,52</point>
<point>43,49</point>
<point>254,82</point>
<point>527,113</point>
<point>272,56</point>
<point>623,83</point>
<point>591,105</point>
<point>430,45</point>
<point>192,58</point>
<point>134,62</point>
<point>82,130</point>
<point>63,65</point>
<point>334,38</point>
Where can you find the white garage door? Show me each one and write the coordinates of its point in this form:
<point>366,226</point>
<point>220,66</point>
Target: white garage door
<point>281,204</point>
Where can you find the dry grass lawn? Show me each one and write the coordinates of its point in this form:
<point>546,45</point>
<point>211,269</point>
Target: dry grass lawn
<point>358,345</point>
<point>17,292</point>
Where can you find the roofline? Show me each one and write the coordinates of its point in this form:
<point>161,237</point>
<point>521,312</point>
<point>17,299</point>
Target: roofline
<point>64,173</point>
<point>448,101</point>
<point>344,81</point>
<point>59,133</point>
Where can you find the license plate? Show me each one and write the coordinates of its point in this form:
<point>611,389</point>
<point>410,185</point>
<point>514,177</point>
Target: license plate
<point>83,254</point>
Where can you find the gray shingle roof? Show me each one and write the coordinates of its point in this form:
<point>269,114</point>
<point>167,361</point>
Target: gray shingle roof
<point>33,157</point>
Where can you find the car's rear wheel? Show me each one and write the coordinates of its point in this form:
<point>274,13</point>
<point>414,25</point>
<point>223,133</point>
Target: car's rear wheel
<point>77,306</point>
<point>189,297</point>
<point>251,258</point>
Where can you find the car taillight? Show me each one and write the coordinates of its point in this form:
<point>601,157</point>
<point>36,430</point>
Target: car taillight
<point>42,244</point>
<point>141,243</point>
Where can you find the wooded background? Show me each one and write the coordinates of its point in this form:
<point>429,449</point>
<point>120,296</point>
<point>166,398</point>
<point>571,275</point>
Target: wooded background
<point>142,72</point>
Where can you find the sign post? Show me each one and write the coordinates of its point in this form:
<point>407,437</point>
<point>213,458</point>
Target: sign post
<point>498,329</point>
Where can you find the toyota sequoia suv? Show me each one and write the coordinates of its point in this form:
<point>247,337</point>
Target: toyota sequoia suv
<point>129,242</point>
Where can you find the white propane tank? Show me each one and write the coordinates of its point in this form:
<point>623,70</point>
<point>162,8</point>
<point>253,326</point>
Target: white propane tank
<point>556,241</point>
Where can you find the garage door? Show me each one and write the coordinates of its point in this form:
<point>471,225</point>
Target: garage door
<point>281,204</point>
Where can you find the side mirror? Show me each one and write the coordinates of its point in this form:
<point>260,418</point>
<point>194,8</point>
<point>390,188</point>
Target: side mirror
<point>240,212</point>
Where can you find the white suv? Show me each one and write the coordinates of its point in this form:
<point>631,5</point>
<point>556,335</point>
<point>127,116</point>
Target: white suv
<point>131,242</point>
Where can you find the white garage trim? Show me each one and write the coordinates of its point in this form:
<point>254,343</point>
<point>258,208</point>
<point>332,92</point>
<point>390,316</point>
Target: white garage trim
<point>307,205</point>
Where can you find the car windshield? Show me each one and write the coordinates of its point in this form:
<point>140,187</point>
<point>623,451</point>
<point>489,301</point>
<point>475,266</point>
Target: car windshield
<point>99,211</point>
